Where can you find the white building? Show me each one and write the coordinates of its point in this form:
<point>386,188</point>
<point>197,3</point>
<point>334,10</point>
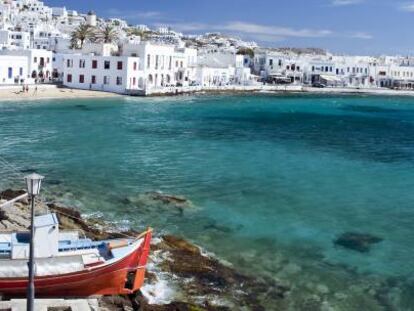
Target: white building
<point>14,39</point>
<point>38,64</point>
<point>91,19</point>
<point>117,74</point>
<point>163,65</point>
<point>222,67</point>
<point>13,69</point>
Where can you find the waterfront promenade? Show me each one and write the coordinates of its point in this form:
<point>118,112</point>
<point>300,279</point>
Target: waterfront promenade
<point>54,92</point>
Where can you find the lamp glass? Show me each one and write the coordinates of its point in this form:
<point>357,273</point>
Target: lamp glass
<point>33,183</point>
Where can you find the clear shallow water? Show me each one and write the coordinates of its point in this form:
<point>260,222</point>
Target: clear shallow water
<point>268,175</point>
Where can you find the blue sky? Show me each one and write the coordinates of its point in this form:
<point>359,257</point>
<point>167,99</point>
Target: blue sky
<point>341,26</point>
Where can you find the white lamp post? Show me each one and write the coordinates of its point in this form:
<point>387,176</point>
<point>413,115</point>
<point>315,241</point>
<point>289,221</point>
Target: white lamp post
<point>33,183</point>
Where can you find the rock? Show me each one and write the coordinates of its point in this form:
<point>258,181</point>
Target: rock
<point>156,201</point>
<point>10,194</point>
<point>3,215</point>
<point>360,242</point>
<point>292,268</point>
<point>340,296</point>
<point>322,289</point>
<point>207,276</point>
<point>183,245</point>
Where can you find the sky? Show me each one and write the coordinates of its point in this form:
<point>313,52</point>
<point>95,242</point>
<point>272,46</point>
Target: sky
<point>359,27</point>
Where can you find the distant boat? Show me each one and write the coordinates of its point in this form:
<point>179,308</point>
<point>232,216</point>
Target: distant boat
<point>67,265</point>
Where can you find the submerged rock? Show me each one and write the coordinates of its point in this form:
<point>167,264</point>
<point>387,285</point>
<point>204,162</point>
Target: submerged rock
<point>206,276</point>
<point>360,242</point>
<point>153,201</point>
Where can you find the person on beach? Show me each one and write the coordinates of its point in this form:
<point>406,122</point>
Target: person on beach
<point>27,88</point>
<point>35,90</point>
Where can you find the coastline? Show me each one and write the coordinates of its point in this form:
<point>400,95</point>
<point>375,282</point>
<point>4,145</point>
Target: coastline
<point>180,275</point>
<point>49,92</point>
<point>46,92</point>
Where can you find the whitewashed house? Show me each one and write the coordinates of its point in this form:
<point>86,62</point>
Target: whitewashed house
<point>117,74</point>
<point>14,40</point>
<point>13,70</point>
<point>39,64</point>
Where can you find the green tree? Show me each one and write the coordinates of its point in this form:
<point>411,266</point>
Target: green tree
<point>138,32</point>
<point>246,51</point>
<point>81,35</point>
<point>107,34</point>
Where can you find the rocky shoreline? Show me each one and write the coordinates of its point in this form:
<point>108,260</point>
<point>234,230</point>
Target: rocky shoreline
<point>200,281</point>
<point>182,277</point>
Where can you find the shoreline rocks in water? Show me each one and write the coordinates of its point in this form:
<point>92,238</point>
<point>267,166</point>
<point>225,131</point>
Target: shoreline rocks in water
<point>202,282</point>
<point>156,200</point>
<point>360,242</point>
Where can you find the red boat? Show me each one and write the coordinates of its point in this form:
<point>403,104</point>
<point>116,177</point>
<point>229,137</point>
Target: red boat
<point>69,266</point>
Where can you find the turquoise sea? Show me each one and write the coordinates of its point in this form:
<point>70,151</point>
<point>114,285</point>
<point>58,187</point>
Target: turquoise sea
<point>274,180</point>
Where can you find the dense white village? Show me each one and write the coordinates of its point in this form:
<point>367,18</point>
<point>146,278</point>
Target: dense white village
<point>55,45</point>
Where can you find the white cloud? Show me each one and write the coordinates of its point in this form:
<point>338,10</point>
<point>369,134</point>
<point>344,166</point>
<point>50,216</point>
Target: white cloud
<point>260,32</point>
<point>345,2</point>
<point>251,28</point>
<point>134,15</point>
<point>408,6</point>
<point>361,35</point>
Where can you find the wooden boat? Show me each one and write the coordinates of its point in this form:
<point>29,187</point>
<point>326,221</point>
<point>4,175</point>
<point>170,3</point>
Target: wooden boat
<point>67,265</point>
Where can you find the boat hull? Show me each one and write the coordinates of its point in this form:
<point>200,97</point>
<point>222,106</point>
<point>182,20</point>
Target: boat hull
<point>124,276</point>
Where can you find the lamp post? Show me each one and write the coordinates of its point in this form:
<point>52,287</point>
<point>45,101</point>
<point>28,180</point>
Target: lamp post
<point>33,183</point>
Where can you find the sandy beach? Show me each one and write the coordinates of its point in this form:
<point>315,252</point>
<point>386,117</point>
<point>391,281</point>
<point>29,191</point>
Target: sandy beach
<point>49,92</point>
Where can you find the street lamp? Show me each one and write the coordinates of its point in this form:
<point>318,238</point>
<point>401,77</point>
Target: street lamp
<point>33,183</point>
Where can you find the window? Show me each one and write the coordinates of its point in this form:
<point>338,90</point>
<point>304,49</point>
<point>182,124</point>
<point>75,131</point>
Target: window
<point>135,65</point>
<point>134,81</point>
<point>118,80</point>
<point>280,63</point>
<point>21,71</point>
<point>69,78</point>
<point>270,62</point>
<point>81,79</point>
<point>94,64</point>
<point>170,63</point>
<point>313,68</point>
<point>107,64</point>
<point>48,60</point>
<point>93,80</point>
<point>119,66</point>
<point>82,63</point>
<point>156,61</point>
<point>10,72</point>
<point>181,65</point>
<point>148,61</point>
<point>69,63</point>
<point>35,60</point>
<point>106,80</point>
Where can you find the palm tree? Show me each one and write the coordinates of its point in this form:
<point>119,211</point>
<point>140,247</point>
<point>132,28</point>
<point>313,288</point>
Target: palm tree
<point>138,32</point>
<point>107,34</point>
<point>81,34</point>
